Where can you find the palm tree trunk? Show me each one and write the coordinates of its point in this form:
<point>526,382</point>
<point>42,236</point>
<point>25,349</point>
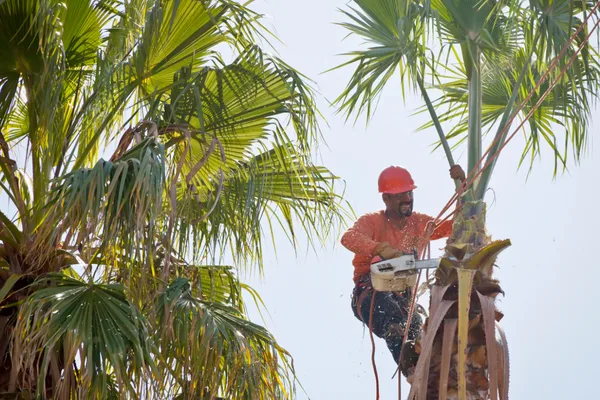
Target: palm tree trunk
<point>460,358</point>
<point>468,229</point>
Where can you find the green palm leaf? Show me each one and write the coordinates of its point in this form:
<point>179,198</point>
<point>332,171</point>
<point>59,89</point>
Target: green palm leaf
<point>276,186</point>
<point>395,31</point>
<point>567,106</point>
<point>93,327</point>
<point>509,39</point>
<point>238,356</point>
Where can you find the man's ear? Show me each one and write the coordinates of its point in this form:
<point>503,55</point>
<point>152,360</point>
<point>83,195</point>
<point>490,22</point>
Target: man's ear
<point>385,197</point>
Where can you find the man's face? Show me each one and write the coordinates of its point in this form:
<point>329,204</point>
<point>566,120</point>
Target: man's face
<point>400,204</point>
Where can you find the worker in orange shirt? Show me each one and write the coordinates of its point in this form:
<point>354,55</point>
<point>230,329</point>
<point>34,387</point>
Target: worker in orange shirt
<point>386,234</point>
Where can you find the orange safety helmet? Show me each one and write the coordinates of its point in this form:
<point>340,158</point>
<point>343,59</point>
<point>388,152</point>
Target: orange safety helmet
<point>393,180</point>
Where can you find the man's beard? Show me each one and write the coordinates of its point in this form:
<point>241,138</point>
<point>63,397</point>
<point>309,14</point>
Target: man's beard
<point>405,209</point>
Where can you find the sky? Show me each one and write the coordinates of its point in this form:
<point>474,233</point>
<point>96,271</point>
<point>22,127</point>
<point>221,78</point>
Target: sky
<point>550,274</point>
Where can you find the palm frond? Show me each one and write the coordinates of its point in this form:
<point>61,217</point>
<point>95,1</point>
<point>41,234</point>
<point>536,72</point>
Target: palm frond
<point>567,106</point>
<point>90,334</point>
<point>233,143</point>
<point>394,32</point>
<point>117,201</point>
<point>238,356</point>
<point>275,186</point>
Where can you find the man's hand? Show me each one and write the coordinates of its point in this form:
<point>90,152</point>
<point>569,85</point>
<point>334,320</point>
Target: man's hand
<point>385,251</point>
<point>456,172</point>
<point>430,227</point>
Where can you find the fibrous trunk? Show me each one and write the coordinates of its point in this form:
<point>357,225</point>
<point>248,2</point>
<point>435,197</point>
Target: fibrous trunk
<point>459,354</point>
<point>9,376</point>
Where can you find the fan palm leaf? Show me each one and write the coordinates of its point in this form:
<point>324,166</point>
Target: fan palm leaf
<point>216,334</point>
<point>88,324</point>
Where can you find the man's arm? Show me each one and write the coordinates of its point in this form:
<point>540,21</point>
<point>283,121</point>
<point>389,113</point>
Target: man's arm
<point>359,239</point>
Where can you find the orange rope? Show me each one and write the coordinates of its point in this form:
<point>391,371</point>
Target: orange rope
<point>543,97</point>
<point>478,171</point>
<point>374,292</point>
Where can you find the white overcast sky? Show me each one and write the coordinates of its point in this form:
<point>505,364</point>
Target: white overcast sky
<point>550,274</point>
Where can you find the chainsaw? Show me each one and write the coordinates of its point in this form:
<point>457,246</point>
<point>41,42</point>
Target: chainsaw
<point>397,274</point>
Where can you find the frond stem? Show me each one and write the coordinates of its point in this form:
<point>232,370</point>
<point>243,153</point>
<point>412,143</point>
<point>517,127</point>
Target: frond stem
<point>438,126</point>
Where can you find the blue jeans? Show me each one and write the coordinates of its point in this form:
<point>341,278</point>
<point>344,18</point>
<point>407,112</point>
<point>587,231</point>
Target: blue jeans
<point>390,314</point>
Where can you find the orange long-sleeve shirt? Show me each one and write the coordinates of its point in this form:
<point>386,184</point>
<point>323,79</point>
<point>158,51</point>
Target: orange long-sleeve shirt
<point>373,228</point>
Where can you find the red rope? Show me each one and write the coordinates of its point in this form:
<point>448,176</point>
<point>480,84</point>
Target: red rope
<point>478,171</point>
<point>543,97</point>
<point>374,292</point>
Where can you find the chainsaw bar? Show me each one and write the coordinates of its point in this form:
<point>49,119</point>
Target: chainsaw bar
<point>404,263</point>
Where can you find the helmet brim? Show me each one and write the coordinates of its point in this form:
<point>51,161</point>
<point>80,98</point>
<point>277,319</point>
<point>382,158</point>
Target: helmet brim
<point>401,189</point>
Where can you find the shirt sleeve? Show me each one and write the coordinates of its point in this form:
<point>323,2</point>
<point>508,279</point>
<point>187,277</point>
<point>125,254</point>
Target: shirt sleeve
<point>443,231</point>
<point>359,239</point>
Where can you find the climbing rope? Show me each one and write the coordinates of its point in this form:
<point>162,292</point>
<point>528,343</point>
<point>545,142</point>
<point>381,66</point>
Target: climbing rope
<point>425,251</point>
<point>476,172</point>
<point>373,293</point>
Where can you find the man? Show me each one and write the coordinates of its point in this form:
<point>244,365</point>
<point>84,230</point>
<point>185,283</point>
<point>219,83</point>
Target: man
<point>390,234</point>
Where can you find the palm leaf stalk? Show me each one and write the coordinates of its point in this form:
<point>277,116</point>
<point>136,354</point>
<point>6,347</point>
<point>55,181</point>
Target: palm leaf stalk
<point>142,173</point>
<point>489,68</point>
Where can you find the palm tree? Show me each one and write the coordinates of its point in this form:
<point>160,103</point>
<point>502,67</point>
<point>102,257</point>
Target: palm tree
<point>481,59</point>
<point>146,147</point>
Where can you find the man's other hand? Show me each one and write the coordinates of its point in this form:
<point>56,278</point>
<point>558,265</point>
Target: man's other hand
<point>456,172</point>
